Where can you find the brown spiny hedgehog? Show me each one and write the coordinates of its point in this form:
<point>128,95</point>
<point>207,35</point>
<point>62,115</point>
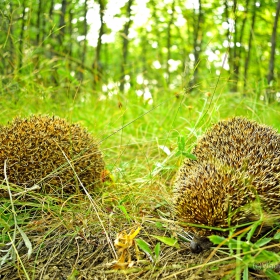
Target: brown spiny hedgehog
<point>36,150</point>
<point>235,178</point>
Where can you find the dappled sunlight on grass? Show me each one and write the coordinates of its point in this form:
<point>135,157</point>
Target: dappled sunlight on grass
<point>140,146</point>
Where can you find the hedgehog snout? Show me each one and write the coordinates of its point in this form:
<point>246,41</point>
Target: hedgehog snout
<point>199,244</point>
<point>195,247</point>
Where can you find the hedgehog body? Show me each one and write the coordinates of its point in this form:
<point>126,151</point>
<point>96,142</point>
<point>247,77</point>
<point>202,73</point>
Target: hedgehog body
<point>235,179</point>
<point>39,150</point>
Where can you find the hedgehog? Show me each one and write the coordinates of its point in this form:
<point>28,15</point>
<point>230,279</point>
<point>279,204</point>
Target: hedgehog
<point>234,180</point>
<point>43,151</point>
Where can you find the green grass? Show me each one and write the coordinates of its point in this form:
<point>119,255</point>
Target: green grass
<point>132,136</point>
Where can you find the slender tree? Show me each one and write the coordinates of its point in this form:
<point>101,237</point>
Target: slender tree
<point>239,49</point>
<point>228,32</point>
<point>84,42</point>
<point>51,9</point>
<point>52,27</point>
<point>125,43</point>
<point>234,53</point>
<point>21,36</point>
<point>47,23</point>
<point>187,36</point>
<point>247,59</point>
<point>7,28</point>
<point>270,75</point>
<point>70,32</point>
<point>144,49</point>
<point>97,69</point>
<point>38,32</point>
<point>38,22</point>
<point>157,35</point>
<point>169,35</point>
<point>61,26</point>
<point>197,41</point>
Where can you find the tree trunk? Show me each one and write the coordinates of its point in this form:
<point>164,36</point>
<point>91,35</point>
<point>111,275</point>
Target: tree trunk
<point>47,28</point>
<point>239,52</point>
<point>197,43</point>
<point>125,44</point>
<point>21,37</point>
<point>97,70</point>
<point>50,50</point>
<point>235,58</point>
<point>51,9</point>
<point>70,32</point>
<point>144,44</point>
<point>84,42</point>
<point>38,23</point>
<point>270,75</point>
<point>62,22</point>
<point>152,4</point>
<point>10,33</point>
<point>247,60</point>
<point>170,23</point>
<point>38,27</point>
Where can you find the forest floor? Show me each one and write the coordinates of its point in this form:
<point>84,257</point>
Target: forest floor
<point>75,246</point>
<point>82,239</point>
<point>124,230</point>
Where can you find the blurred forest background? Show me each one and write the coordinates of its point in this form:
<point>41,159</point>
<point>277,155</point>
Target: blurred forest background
<point>146,78</point>
<point>105,47</point>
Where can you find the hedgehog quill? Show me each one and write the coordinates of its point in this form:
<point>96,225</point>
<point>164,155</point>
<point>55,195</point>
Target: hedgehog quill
<point>235,178</point>
<point>35,151</point>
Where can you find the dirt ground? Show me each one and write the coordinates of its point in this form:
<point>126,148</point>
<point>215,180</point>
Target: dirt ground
<point>74,244</point>
<point>61,255</point>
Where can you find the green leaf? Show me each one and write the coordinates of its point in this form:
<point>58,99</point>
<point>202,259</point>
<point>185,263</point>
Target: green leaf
<point>181,143</point>
<point>123,209</point>
<point>4,224</point>
<point>26,241</point>
<point>144,246</point>
<point>168,241</point>
<point>157,251</point>
<point>74,275</point>
<point>245,275</point>
<point>262,242</point>
<point>216,239</point>
<point>189,155</point>
<point>245,246</point>
<point>252,230</point>
<point>265,255</point>
<point>178,153</point>
<point>159,225</point>
<point>272,274</point>
<point>277,235</point>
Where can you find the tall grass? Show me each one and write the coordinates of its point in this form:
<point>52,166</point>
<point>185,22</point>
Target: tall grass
<point>138,141</point>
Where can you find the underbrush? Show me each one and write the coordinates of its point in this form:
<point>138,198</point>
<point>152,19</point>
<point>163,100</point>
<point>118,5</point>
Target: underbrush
<point>129,222</point>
